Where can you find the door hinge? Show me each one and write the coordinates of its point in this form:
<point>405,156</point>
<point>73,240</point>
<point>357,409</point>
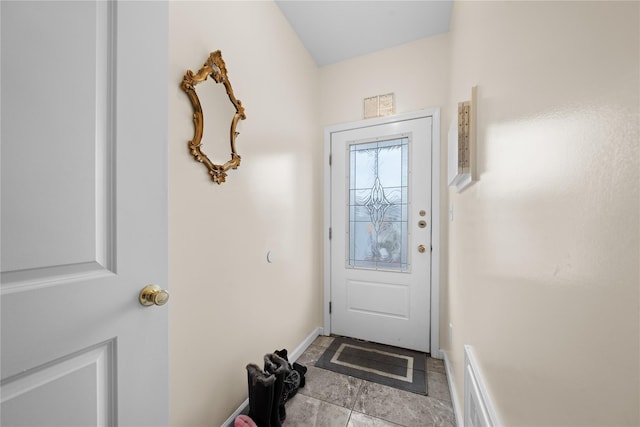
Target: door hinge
<point>329,159</point>
<point>329,307</point>
<point>329,233</point>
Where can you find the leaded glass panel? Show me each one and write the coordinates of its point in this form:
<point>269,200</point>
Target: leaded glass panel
<point>378,198</point>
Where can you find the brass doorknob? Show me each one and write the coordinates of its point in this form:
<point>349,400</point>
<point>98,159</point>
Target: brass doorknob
<point>153,295</point>
<point>421,249</point>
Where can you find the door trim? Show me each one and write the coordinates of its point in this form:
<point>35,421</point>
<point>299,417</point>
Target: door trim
<point>434,113</point>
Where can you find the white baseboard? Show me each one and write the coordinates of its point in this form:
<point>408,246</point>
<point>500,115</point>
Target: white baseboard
<point>297,352</point>
<point>452,390</point>
<point>437,354</point>
<point>229,421</point>
<point>292,356</point>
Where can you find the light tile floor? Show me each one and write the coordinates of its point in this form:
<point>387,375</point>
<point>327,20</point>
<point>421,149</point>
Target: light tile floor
<point>330,399</point>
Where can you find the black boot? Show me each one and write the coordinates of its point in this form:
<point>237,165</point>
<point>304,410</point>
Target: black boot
<point>274,364</point>
<point>301,370</point>
<point>296,378</point>
<point>292,380</point>
<point>261,397</point>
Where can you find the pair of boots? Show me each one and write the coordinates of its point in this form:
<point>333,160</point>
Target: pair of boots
<point>266,397</point>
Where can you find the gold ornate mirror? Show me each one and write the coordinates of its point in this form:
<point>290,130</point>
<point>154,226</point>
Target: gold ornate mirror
<point>214,67</point>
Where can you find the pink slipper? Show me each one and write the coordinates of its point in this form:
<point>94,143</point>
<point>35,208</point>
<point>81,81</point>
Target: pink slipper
<point>244,421</point>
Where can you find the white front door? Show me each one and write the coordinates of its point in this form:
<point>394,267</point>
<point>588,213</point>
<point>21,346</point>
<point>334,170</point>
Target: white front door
<point>381,232</point>
<point>84,215</point>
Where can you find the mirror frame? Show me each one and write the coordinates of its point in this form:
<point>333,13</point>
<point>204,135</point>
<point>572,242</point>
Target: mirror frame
<point>216,68</point>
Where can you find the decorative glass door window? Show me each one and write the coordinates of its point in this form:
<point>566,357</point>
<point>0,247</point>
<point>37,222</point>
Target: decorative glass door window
<point>378,185</point>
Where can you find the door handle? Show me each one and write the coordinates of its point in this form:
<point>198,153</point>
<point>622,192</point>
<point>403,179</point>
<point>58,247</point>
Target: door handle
<point>421,249</point>
<point>153,295</point>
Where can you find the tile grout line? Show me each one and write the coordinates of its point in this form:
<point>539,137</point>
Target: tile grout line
<point>355,400</point>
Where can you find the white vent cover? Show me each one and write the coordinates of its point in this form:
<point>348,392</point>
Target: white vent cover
<point>478,410</point>
<point>379,106</point>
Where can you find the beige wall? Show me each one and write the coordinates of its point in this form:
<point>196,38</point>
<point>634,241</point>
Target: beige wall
<point>544,249</point>
<point>417,72</point>
<point>228,305</point>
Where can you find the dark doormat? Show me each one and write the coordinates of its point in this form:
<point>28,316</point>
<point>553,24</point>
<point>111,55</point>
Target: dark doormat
<point>382,364</point>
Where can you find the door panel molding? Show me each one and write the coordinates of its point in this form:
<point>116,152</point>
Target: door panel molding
<point>28,256</point>
<point>106,53</point>
<point>27,280</point>
<point>434,113</point>
<point>97,384</point>
<point>394,295</point>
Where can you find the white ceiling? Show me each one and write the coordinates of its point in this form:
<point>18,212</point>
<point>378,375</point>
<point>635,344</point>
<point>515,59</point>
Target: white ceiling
<point>333,31</point>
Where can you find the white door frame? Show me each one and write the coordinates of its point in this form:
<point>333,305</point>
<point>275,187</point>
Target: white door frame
<point>434,113</point>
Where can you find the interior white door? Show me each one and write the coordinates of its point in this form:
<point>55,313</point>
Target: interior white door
<point>381,232</point>
<point>84,215</point>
